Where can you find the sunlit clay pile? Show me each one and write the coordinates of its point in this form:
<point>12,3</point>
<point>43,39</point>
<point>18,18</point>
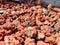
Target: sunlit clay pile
<point>21,24</point>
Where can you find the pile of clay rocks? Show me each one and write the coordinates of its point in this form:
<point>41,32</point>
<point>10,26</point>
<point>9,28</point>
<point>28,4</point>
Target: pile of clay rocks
<point>21,24</point>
